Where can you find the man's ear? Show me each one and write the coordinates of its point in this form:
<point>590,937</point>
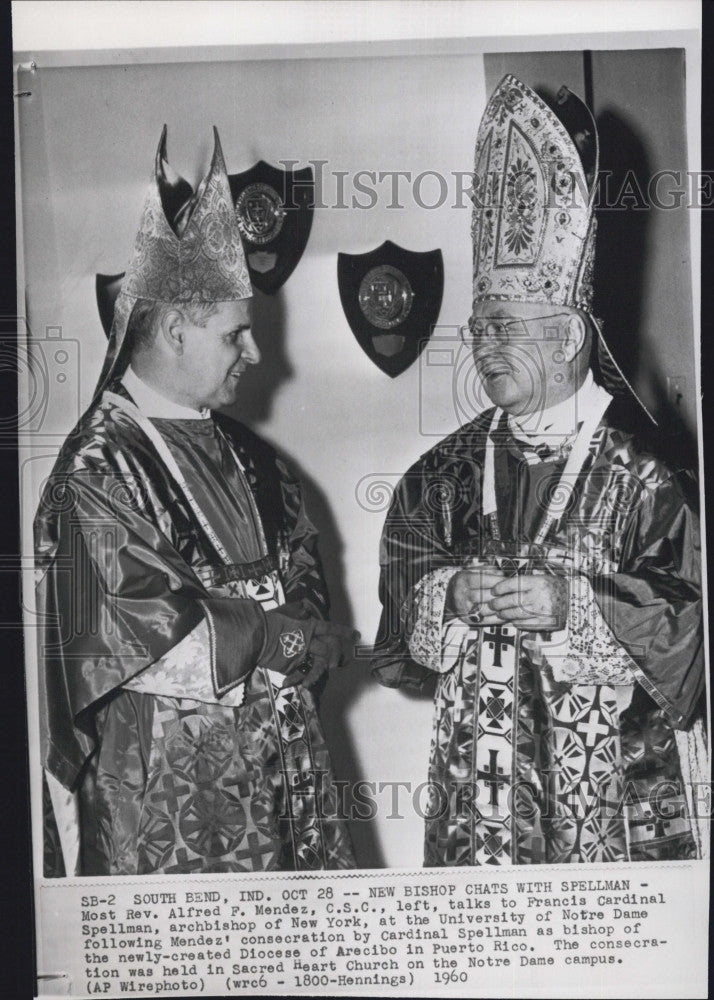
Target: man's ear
<point>576,333</point>
<point>171,330</point>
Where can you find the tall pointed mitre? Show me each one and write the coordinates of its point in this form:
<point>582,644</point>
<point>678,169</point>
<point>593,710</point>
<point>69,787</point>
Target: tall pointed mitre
<point>188,249</point>
<point>534,224</point>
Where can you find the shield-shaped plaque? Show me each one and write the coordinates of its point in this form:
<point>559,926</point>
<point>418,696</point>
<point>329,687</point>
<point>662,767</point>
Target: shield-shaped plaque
<point>391,298</point>
<point>108,286</point>
<point>274,209</point>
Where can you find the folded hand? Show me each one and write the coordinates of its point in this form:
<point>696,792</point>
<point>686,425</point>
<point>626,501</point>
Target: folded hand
<point>469,592</point>
<point>535,603</point>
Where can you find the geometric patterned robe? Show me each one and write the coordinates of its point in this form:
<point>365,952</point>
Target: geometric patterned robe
<point>578,747</point>
<point>241,781</point>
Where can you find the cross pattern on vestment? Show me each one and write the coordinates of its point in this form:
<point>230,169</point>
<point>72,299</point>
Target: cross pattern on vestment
<point>240,782</point>
<point>497,641</point>
<point>254,852</point>
<point>292,643</point>
<point>493,844</point>
<point>592,729</point>
<point>534,852</point>
<point>301,783</point>
<point>495,706</point>
<point>601,839</point>
<point>171,787</point>
<point>493,776</point>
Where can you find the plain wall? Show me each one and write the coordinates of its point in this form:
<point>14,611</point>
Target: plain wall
<point>88,138</point>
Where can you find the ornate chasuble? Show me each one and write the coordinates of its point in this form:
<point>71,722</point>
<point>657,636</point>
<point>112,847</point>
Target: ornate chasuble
<point>243,784</point>
<point>526,768</point>
<point>525,758</point>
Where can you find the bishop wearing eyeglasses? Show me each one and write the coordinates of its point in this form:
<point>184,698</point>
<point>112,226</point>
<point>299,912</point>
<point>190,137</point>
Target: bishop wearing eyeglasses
<point>540,562</point>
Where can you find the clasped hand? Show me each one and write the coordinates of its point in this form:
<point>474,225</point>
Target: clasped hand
<point>329,647</point>
<point>303,647</point>
<point>533,602</point>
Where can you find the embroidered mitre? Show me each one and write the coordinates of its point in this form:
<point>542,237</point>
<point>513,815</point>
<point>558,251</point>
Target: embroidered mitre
<point>188,248</point>
<point>533,223</point>
<point>534,192</point>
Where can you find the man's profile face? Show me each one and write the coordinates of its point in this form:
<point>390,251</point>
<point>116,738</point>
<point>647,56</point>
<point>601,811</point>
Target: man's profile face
<point>216,354</point>
<point>517,353</point>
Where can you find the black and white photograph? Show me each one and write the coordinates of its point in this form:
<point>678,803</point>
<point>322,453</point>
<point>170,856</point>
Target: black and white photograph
<point>361,491</point>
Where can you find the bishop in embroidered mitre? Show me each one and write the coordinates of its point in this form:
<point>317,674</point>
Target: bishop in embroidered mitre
<point>182,602</point>
<point>540,562</point>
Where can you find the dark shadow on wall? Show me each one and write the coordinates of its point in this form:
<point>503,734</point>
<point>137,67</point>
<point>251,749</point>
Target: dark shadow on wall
<point>624,219</point>
<point>621,259</point>
<point>345,687</point>
<point>347,684</point>
<point>260,386</point>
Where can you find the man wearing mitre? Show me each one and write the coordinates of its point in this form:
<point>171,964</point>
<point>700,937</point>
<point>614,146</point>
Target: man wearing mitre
<point>541,562</point>
<point>184,609</point>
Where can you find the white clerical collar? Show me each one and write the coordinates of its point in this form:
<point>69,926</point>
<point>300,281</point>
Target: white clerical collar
<point>563,418</point>
<point>153,404</point>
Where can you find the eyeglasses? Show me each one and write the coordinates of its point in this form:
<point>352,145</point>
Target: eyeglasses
<point>498,329</point>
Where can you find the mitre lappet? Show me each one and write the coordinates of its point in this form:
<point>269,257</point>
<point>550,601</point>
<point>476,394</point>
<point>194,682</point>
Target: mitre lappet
<point>534,192</point>
<point>188,249</point>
